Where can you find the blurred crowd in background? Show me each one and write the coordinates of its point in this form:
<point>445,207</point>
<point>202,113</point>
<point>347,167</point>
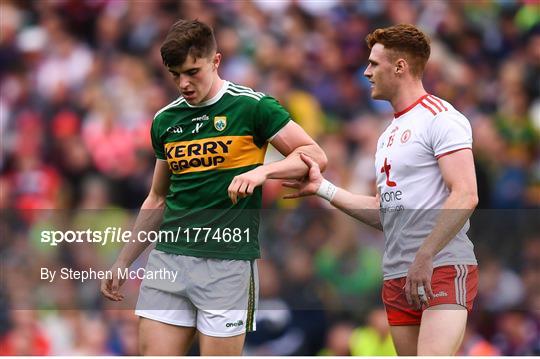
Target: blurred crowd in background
<point>82,79</point>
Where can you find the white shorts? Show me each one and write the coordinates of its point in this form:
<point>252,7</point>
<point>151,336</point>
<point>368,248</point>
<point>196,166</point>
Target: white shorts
<point>217,296</point>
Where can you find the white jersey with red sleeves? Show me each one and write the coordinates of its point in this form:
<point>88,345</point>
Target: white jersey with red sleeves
<point>411,186</point>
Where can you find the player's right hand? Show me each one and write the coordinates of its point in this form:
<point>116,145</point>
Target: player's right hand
<point>309,184</point>
<point>110,287</point>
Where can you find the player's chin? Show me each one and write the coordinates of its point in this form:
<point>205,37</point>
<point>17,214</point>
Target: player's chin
<point>193,101</point>
<point>376,95</point>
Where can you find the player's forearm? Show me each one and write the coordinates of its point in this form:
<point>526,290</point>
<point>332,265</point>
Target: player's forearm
<point>292,166</point>
<point>363,208</point>
<point>454,214</point>
<point>148,219</point>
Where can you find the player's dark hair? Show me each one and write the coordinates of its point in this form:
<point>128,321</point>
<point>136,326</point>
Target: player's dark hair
<point>406,40</point>
<point>187,37</point>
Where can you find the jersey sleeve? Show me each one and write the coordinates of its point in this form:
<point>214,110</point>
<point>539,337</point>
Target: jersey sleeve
<point>450,132</point>
<point>157,144</point>
<point>270,117</point>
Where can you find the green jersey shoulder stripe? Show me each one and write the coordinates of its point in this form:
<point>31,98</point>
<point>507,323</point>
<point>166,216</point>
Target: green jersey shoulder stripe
<point>259,95</point>
<point>176,102</point>
<point>235,91</point>
<point>244,88</point>
<point>243,94</point>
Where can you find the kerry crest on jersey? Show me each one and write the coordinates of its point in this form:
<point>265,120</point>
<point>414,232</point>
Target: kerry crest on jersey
<point>220,122</point>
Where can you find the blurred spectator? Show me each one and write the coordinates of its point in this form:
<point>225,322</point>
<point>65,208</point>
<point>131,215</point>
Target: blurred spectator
<point>517,334</point>
<point>499,288</point>
<point>25,336</point>
<point>475,345</point>
<point>373,339</point>
<point>90,336</point>
<point>350,271</point>
<point>338,340</point>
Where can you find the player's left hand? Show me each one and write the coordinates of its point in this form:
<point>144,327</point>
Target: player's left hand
<point>243,185</point>
<point>418,283</point>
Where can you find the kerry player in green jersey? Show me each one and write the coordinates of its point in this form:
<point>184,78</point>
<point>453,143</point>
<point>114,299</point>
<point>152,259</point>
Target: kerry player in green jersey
<point>210,145</point>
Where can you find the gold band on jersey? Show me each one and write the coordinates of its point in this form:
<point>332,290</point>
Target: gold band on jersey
<point>222,152</point>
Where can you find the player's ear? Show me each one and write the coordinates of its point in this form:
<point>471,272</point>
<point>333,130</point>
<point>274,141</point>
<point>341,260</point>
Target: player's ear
<point>216,60</point>
<point>400,66</point>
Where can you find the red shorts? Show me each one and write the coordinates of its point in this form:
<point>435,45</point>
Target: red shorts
<point>454,284</point>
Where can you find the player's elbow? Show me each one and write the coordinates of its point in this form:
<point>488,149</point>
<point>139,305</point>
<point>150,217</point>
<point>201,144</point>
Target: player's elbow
<point>315,152</point>
<point>473,200</point>
<point>464,195</point>
<point>154,201</point>
<point>321,159</point>
<point>469,199</point>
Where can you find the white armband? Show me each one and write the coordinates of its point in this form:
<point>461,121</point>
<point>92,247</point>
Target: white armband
<point>327,190</point>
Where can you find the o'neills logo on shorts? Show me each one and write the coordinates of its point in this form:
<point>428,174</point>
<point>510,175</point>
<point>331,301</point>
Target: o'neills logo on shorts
<point>235,324</point>
<point>440,294</point>
<point>213,153</point>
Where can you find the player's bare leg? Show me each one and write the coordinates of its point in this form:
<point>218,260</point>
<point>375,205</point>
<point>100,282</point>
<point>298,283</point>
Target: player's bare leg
<point>442,329</point>
<point>405,338</point>
<point>156,338</point>
<point>221,346</point>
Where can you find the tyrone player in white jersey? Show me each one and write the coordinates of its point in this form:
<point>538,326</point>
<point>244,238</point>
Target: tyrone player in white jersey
<point>426,192</point>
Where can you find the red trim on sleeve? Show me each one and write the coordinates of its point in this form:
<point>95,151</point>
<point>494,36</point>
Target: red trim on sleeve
<point>450,152</point>
<point>402,112</point>
<point>428,107</point>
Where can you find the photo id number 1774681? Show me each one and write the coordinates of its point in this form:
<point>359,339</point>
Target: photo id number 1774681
<point>225,235</point>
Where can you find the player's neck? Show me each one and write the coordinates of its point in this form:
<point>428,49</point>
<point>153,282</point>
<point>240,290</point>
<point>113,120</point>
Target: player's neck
<point>407,95</point>
<point>216,86</point>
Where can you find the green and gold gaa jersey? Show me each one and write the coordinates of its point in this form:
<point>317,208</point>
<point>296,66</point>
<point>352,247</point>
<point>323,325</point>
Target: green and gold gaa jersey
<point>206,146</point>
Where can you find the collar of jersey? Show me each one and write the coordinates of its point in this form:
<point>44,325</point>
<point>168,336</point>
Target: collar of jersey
<point>214,99</point>
<point>410,107</point>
